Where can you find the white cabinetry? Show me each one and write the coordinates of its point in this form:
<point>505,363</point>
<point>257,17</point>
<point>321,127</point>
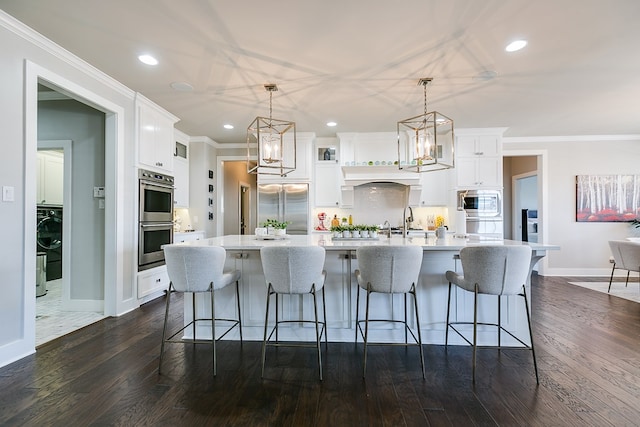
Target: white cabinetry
<point>187,236</point>
<point>328,176</point>
<point>152,281</point>
<point>435,188</point>
<point>252,285</point>
<point>181,171</point>
<point>479,161</point>
<point>302,173</point>
<point>155,135</point>
<point>50,179</point>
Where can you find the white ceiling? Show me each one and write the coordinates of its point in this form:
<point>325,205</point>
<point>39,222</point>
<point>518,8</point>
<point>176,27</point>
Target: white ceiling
<point>358,62</point>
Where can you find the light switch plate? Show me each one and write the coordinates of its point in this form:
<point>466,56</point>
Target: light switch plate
<point>8,193</point>
<point>98,191</point>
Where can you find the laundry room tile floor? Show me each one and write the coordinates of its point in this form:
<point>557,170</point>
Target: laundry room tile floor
<point>52,322</point>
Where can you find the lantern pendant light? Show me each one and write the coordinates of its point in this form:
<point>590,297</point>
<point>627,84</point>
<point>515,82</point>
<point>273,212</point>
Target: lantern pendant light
<point>271,143</point>
<point>425,142</point>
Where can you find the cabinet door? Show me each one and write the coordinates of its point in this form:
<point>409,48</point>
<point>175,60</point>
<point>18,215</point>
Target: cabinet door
<point>466,172</point>
<point>487,145</point>
<point>488,171</point>
<point>50,179</point>
<point>181,182</point>
<point>466,146</point>
<point>151,281</point>
<point>155,139</point>
<point>435,188</point>
<point>327,184</point>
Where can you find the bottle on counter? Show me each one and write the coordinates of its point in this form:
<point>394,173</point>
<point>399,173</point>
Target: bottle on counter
<point>350,220</point>
<point>335,222</point>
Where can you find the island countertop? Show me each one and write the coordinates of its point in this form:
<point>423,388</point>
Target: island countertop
<point>450,243</point>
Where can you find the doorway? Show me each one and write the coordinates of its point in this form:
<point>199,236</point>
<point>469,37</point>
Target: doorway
<point>245,208</point>
<point>525,207</point>
<point>69,179</point>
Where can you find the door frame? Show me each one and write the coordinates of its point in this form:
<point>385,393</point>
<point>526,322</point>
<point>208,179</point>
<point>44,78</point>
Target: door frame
<point>244,201</point>
<point>543,193</point>
<point>66,146</point>
<point>115,301</point>
<point>515,204</point>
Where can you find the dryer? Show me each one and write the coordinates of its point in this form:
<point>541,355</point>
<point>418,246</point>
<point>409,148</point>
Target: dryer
<point>49,238</point>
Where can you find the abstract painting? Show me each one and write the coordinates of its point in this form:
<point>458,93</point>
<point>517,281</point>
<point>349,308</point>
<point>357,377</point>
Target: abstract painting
<point>607,198</point>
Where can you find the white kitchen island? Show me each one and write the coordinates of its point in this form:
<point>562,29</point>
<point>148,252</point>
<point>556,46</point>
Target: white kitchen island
<point>243,253</point>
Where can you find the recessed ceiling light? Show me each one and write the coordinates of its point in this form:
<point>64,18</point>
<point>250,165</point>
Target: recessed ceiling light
<point>182,86</point>
<point>516,45</point>
<point>228,126</point>
<point>148,59</point>
<point>332,124</point>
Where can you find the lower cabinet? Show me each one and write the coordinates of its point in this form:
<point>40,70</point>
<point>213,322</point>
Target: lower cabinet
<point>152,281</point>
<point>179,237</point>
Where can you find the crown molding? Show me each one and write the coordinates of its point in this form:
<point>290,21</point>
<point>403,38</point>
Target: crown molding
<point>27,33</point>
<point>569,138</point>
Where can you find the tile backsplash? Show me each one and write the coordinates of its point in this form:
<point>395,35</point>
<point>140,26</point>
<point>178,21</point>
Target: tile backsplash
<point>376,203</point>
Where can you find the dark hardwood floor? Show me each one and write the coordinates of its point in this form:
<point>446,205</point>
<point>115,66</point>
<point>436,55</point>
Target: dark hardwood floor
<point>588,347</point>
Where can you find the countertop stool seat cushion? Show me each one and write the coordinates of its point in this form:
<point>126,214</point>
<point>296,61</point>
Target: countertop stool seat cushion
<point>492,270</point>
<point>294,270</point>
<point>199,269</point>
<point>388,270</point>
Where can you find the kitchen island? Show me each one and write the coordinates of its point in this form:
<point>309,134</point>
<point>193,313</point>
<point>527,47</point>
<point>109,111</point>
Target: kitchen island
<point>440,255</point>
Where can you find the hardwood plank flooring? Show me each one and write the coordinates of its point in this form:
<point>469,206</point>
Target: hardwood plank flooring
<point>587,343</point>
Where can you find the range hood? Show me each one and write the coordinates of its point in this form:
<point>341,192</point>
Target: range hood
<point>360,175</point>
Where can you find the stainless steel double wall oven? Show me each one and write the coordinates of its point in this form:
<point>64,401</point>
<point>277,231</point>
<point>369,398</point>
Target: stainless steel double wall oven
<point>155,217</point>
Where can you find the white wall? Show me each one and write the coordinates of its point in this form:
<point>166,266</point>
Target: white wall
<point>25,57</point>
<point>584,248</point>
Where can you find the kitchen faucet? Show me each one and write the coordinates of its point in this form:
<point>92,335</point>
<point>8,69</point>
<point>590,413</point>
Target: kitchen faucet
<point>406,220</point>
<point>388,224</point>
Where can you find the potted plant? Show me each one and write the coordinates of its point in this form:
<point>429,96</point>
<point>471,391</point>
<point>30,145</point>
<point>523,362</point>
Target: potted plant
<point>275,227</point>
<point>346,231</point>
<point>373,231</point>
<point>336,230</point>
<point>364,231</point>
<point>355,231</point>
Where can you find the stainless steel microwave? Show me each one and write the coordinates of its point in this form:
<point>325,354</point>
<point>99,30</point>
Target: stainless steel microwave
<point>481,203</point>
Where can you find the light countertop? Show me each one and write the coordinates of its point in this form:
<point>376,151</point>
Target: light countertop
<point>450,243</point>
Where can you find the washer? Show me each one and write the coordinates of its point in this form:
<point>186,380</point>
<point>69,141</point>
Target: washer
<point>49,239</point>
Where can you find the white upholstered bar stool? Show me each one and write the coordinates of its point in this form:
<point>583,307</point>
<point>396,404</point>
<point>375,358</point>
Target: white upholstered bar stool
<point>294,270</point>
<point>389,270</point>
<point>199,269</point>
<point>626,256</point>
<point>492,270</point>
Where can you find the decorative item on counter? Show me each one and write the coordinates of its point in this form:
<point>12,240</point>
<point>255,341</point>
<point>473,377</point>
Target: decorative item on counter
<point>335,222</point>
<point>431,222</point>
<point>355,232</point>
<point>439,221</point>
<point>327,154</point>
<point>344,220</point>
<point>350,220</point>
<point>321,217</point>
<point>441,232</point>
<point>275,227</point>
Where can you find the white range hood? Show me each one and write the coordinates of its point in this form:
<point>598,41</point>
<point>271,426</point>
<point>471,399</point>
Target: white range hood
<point>359,175</point>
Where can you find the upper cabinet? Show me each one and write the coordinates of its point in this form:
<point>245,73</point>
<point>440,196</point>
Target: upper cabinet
<point>181,170</point>
<point>156,141</point>
<point>328,177</point>
<point>479,158</point>
<point>302,173</point>
<point>50,179</point>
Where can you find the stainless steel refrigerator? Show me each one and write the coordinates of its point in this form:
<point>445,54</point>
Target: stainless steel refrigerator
<point>285,202</point>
